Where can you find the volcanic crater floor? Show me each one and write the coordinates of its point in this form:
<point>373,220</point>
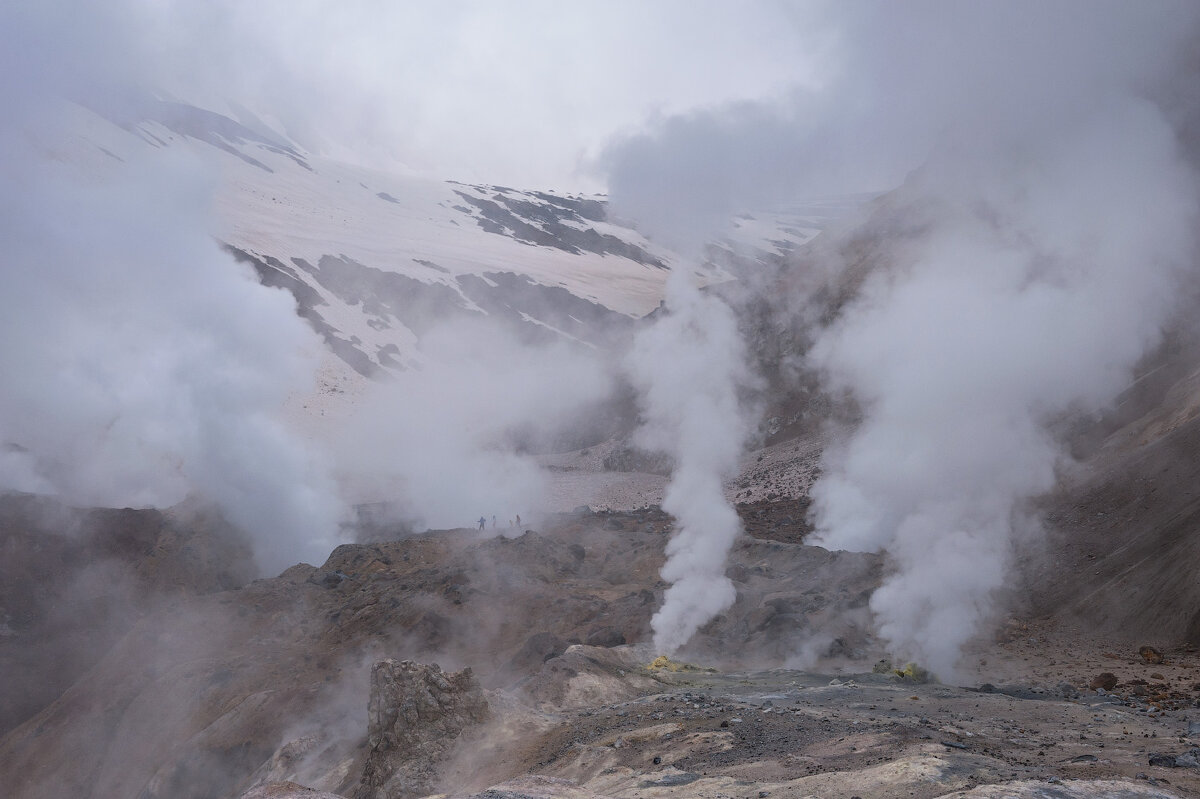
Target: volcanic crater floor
<point>788,733</point>
<point>262,690</point>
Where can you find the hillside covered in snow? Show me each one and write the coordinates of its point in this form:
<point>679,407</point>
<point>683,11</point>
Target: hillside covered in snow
<point>375,260</point>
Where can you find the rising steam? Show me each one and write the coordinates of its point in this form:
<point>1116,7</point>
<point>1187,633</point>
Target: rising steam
<point>141,364</point>
<point>689,366</point>
<point>1047,231</point>
<point>1039,283</point>
<point>440,438</point>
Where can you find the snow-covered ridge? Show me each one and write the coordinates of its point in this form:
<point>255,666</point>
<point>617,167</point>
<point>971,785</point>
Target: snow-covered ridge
<point>376,259</point>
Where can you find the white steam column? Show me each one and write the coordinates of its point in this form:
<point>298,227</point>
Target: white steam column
<point>688,367</point>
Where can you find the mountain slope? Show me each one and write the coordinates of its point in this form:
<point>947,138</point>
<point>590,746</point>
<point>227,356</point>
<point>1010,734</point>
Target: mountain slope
<point>376,259</point>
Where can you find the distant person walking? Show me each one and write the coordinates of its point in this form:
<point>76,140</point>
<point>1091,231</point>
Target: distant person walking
<point>482,522</point>
<point>493,522</point>
<point>518,520</point>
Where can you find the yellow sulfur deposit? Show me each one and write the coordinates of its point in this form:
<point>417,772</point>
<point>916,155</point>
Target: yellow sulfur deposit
<point>913,673</point>
<point>664,663</point>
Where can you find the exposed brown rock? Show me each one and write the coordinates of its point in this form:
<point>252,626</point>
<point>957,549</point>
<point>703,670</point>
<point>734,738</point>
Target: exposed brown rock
<point>415,715</point>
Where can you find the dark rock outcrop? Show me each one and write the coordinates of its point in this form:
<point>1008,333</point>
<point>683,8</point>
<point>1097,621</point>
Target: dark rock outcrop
<point>415,715</point>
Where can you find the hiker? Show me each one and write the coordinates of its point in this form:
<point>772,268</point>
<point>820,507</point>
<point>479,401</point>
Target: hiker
<point>518,520</point>
<point>482,522</point>
<point>493,522</point>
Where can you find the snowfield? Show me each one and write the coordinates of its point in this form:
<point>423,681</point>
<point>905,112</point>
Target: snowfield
<point>273,201</point>
<point>376,261</point>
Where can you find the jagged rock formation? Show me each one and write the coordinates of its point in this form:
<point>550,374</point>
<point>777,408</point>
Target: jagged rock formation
<point>416,714</point>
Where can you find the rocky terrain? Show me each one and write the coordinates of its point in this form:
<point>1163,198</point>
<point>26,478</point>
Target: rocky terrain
<point>140,661</point>
<point>139,658</point>
<point>278,686</point>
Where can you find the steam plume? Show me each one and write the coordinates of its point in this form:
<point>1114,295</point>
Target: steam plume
<point>688,367</point>
<point>1037,287</point>
<point>1051,225</point>
<point>445,439</point>
<point>140,363</point>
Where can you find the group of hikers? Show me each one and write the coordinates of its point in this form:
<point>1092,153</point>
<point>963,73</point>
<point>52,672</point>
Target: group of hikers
<point>511,523</point>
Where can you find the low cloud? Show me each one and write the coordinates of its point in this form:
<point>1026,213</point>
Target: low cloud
<point>455,438</point>
<point>141,363</point>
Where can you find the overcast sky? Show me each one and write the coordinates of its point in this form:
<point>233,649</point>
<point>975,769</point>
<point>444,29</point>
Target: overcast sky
<point>534,93</point>
<point>526,92</point>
